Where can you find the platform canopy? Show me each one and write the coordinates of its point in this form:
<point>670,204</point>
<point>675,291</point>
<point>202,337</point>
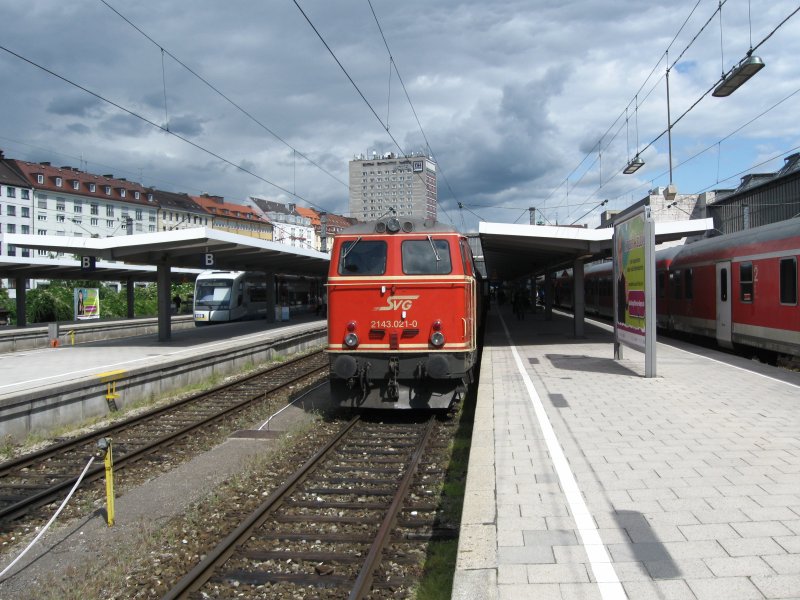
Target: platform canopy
<point>511,250</point>
<point>12,267</point>
<point>196,248</point>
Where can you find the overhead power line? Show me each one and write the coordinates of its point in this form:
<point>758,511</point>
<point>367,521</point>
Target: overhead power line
<point>358,90</point>
<point>220,93</point>
<point>157,126</point>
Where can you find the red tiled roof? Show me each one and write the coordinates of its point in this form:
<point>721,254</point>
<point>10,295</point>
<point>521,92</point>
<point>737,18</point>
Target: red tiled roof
<point>217,206</point>
<point>75,181</point>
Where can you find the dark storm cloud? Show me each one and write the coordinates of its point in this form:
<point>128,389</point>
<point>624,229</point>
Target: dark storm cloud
<point>124,126</point>
<point>74,104</point>
<point>79,128</point>
<point>186,125</point>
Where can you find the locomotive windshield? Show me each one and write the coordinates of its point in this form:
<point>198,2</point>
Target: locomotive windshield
<point>360,257</point>
<point>213,293</point>
<point>426,257</point>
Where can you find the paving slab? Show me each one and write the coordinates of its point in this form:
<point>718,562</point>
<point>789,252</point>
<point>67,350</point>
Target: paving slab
<point>608,484</point>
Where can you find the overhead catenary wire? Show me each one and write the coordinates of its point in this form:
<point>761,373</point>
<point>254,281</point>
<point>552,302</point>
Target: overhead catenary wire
<point>358,90</point>
<point>413,110</point>
<point>709,90</point>
<point>160,127</point>
<point>220,93</point>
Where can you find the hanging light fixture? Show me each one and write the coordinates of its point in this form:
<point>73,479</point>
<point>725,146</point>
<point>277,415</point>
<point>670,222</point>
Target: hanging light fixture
<point>738,75</point>
<point>633,166</point>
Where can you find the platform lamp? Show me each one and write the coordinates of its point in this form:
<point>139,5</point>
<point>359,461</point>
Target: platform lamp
<point>634,165</point>
<point>738,75</point>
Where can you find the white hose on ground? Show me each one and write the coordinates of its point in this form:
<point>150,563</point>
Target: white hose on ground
<point>266,423</point>
<point>50,522</point>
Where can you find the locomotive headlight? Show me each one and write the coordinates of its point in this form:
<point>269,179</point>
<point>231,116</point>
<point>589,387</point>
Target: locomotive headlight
<point>350,338</point>
<point>437,338</point>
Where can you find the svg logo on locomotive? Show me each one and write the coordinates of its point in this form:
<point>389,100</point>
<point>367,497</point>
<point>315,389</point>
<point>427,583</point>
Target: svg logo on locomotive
<point>397,303</point>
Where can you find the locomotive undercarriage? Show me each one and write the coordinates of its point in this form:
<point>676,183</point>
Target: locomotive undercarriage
<point>400,381</point>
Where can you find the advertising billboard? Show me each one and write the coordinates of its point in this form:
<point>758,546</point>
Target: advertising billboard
<point>86,303</point>
<point>634,286</point>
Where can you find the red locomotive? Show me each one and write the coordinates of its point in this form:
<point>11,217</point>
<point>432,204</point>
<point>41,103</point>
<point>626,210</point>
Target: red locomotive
<point>404,301</point>
<point>740,289</point>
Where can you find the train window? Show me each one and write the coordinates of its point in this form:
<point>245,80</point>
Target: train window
<point>788,271</point>
<point>723,285</point>
<point>746,282</point>
<point>660,284</point>
<point>360,257</point>
<point>426,257</point>
<point>688,281</point>
<point>677,281</point>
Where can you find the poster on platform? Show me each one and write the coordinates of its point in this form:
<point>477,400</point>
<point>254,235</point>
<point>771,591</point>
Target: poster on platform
<point>634,289</point>
<point>87,303</point>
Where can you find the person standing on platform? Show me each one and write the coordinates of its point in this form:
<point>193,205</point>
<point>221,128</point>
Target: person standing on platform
<point>518,304</point>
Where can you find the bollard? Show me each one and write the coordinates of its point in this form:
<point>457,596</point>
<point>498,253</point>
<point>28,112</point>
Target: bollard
<point>105,446</point>
<point>72,337</point>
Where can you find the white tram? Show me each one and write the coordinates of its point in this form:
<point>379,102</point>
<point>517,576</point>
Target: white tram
<point>222,296</point>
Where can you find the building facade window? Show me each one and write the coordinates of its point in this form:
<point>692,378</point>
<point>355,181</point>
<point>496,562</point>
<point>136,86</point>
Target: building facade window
<point>11,192</point>
<point>94,208</point>
<point>109,210</point>
<point>24,194</point>
<point>59,181</point>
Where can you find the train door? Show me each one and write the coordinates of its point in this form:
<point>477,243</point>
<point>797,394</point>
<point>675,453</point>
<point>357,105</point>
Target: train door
<point>723,289</point>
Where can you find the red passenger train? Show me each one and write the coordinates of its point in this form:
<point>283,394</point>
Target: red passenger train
<point>404,307</point>
<point>740,289</point>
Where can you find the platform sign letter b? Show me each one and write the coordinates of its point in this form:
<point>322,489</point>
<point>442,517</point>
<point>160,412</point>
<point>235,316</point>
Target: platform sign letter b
<point>88,263</point>
<point>209,259</point>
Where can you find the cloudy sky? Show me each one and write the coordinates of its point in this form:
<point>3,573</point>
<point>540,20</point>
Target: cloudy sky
<point>524,103</point>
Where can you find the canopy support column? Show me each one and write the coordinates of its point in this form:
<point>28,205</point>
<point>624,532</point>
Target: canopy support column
<point>164,303</point>
<point>22,319</point>
<point>131,300</point>
<point>578,298</point>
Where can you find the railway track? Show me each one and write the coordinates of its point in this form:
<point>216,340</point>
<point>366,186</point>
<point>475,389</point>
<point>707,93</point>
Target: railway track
<point>349,522</point>
<point>37,479</point>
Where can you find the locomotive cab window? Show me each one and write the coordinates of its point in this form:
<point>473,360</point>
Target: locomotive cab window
<point>746,282</point>
<point>360,257</point>
<point>426,257</point>
<point>788,275</point>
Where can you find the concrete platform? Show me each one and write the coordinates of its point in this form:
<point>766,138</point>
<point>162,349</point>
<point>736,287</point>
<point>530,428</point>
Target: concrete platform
<point>588,480</point>
<point>46,388</point>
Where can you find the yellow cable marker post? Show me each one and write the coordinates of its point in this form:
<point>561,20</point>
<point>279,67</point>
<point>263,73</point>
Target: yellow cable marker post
<point>72,337</point>
<point>105,446</point>
<point>110,378</point>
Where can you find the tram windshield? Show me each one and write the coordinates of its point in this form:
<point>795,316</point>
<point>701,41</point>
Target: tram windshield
<point>213,294</point>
